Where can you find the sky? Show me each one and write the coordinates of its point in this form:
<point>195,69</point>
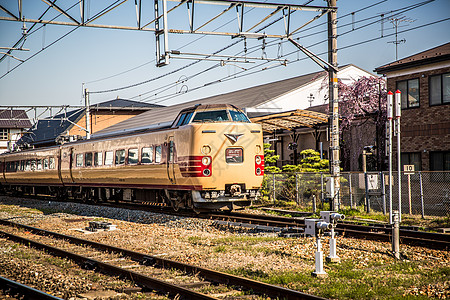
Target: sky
<point>123,61</point>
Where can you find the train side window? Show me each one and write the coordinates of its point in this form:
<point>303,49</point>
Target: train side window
<point>45,163</point>
<point>51,162</point>
<point>147,155</point>
<point>120,157</point>
<point>28,165</point>
<point>33,164</point>
<point>8,167</point>
<point>109,158</point>
<point>88,159</point>
<point>133,156</point>
<point>157,154</point>
<point>79,160</point>
<point>181,120</point>
<point>188,118</point>
<point>98,158</point>
<point>39,164</point>
<point>22,165</point>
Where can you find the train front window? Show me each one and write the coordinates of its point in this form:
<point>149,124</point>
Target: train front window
<point>211,116</point>
<point>239,116</point>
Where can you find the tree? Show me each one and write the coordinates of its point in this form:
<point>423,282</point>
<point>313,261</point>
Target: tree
<point>362,104</point>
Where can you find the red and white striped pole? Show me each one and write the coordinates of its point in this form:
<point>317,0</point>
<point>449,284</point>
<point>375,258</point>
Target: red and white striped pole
<point>390,108</point>
<point>398,113</point>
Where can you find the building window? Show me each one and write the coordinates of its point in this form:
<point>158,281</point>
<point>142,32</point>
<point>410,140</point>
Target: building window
<point>410,92</point>
<point>4,134</point>
<point>439,89</point>
<point>411,158</point>
<point>440,161</point>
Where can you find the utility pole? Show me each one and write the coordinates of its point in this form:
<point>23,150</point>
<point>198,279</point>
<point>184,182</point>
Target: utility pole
<point>333,104</point>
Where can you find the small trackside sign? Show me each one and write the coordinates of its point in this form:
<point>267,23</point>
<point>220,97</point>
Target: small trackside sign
<point>408,169</point>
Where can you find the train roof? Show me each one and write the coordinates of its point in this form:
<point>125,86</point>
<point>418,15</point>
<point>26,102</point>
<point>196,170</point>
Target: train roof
<point>245,98</point>
<point>210,107</point>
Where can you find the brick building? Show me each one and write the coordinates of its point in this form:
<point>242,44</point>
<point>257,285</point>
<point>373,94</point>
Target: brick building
<point>424,80</point>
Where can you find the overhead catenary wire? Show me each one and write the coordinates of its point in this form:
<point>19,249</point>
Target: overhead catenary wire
<point>258,70</point>
<point>312,45</point>
<point>58,39</point>
<point>401,10</point>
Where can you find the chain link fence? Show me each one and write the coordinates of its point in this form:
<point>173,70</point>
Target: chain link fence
<point>422,193</point>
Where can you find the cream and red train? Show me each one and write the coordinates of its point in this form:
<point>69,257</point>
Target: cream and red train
<point>211,157</point>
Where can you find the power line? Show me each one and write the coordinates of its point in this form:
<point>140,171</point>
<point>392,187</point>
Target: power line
<point>366,25</point>
<point>269,44</point>
<point>227,78</point>
<point>57,40</point>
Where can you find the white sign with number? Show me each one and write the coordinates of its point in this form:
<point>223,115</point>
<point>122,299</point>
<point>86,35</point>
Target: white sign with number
<point>408,169</point>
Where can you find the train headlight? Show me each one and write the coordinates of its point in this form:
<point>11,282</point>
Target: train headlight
<point>206,160</point>
<point>206,172</point>
<point>258,171</point>
<point>258,149</point>
<point>206,149</point>
<point>259,165</point>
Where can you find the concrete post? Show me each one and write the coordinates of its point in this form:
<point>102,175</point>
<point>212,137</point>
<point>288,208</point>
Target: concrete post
<point>319,272</point>
<point>396,234</point>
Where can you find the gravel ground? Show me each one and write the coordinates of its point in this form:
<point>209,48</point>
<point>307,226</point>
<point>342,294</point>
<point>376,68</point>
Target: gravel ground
<point>198,242</point>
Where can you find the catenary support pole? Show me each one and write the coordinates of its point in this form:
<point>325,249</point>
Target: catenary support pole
<point>333,102</point>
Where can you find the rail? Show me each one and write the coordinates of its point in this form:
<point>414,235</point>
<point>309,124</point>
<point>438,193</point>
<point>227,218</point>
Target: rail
<point>208,274</point>
<point>17,288</point>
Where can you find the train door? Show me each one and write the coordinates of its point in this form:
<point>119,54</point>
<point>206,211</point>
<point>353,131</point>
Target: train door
<point>60,154</point>
<point>66,165</point>
<point>171,160</point>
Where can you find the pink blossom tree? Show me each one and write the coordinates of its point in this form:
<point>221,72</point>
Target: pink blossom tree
<point>362,111</point>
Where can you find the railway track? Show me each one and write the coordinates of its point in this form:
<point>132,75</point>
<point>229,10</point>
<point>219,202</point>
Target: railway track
<point>141,268</point>
<point>381,232</point>
<point>21,291</point>
<point>292,226</point>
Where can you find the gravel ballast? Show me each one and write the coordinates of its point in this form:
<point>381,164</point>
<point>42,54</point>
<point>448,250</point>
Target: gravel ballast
<point>199,242</point>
